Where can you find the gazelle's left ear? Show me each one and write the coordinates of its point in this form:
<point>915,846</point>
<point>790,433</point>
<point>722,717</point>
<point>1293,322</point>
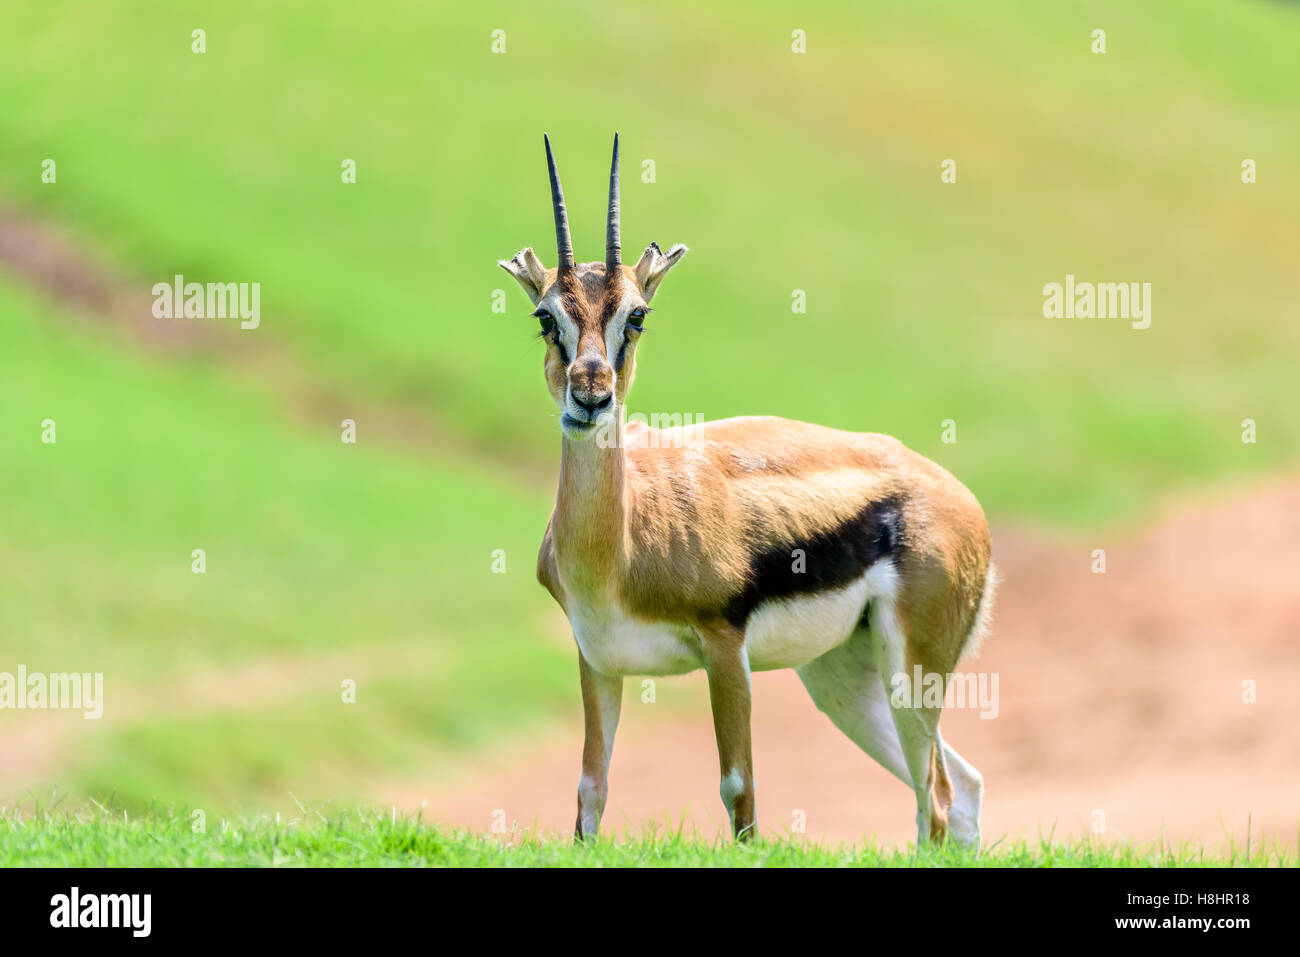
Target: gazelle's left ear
<point>654,265</point>
<point>528,272</point>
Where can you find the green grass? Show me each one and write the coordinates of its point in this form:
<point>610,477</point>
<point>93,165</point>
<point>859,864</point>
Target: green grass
<point>372,839</point>
<point>817,172</point>
<point>325,562</point>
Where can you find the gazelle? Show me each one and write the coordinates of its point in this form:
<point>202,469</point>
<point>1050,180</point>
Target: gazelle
<point>753,544</point>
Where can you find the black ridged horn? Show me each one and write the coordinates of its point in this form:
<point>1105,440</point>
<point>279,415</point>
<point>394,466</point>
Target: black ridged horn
<point>563,242</point>
<point>613,240</point>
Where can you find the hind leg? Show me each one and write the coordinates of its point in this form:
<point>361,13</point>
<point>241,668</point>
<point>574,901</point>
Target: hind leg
<point>967,797</point>
<point>917,725</point>
<point>846,686</point>
<point>949,791</point>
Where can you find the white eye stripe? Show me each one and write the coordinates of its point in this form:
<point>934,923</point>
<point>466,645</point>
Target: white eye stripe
<point>567,327</point>
<point>568,333</point>
<point>613,338</point>
<point>615,330</point>
<point>617,327</point>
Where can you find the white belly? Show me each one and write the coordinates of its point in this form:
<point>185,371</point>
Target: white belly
<point>787,632</point>
<point>781,633</point>
<point>616,644</point>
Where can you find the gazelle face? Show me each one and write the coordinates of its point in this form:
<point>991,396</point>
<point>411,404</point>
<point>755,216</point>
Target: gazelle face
<point>591,322</point>
<point>590,315</point>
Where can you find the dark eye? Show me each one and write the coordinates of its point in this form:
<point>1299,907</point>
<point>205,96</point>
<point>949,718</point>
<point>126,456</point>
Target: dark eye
<point>547,321</point>
<point>636,317</point>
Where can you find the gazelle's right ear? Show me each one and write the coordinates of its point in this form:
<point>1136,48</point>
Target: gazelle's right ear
<point>528,272</point>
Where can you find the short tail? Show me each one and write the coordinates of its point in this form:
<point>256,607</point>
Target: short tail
<point>983,613</point>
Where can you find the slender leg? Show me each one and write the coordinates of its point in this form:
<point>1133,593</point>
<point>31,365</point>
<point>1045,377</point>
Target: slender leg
<point>845,685</point>
<point>918,729</point>
<point>727,663</point>
<point>602,699</point>
<point>968,795</point>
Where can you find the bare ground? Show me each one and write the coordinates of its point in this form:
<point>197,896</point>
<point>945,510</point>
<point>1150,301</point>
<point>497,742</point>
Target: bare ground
<point>1120,704</point>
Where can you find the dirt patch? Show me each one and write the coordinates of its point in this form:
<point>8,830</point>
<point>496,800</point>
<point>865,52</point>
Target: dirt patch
<point>1120,694</point>
<point>57,265</point>
<point>53,263</point>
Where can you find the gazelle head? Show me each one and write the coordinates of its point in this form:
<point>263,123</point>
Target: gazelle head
<point>591,314</point>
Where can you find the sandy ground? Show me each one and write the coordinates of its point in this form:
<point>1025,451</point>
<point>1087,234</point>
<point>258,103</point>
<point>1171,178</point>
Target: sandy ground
<point>1120,704</point>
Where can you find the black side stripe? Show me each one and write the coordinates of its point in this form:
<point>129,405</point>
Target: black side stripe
<point>830,559</point>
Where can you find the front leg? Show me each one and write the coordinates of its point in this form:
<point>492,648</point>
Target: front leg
<point>727,663</point>
<point>602,699</point>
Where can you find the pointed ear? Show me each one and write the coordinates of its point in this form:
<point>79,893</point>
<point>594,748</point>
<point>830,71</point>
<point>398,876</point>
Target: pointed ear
<point>528,271</point>
<point>654,265</point>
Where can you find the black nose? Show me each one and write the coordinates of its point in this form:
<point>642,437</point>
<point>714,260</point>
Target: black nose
<point>594,404</point>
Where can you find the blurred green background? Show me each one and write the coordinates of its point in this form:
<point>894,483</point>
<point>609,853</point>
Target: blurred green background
<point>818,172</point>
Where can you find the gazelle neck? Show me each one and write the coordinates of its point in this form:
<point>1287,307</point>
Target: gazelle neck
<point>590,509</point>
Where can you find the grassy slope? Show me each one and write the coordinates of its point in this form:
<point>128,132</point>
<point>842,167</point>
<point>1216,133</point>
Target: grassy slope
<point>325,561</point>
<point>377,840</point>
<point>816,172</point>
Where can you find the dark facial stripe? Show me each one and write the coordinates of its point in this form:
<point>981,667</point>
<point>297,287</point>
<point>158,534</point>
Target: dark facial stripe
<point>591,296</point>
<point>830,560</point>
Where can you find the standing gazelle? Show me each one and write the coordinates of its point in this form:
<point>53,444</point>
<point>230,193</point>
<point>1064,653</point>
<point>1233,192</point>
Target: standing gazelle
<point>752,544</point>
